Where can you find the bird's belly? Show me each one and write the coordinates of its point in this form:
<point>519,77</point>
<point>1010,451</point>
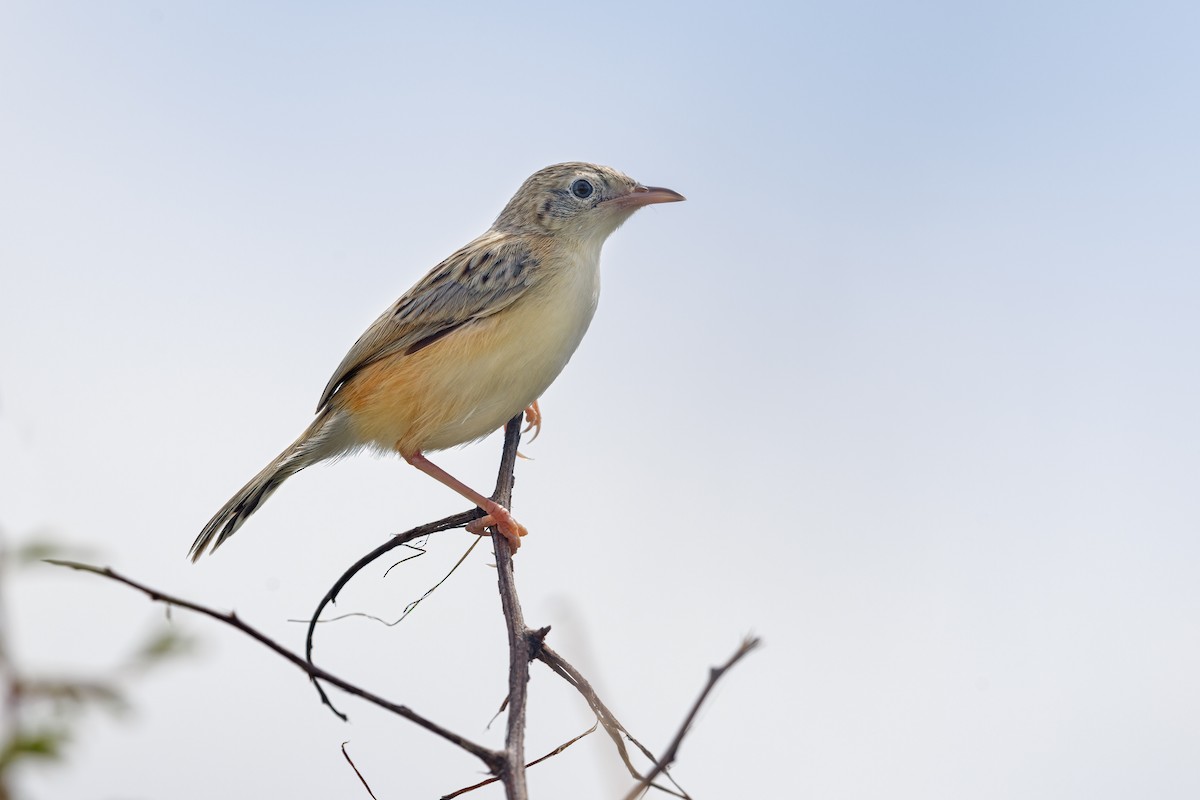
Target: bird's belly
<point>468,383</point>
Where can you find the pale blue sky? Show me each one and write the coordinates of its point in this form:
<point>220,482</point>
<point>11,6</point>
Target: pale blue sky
<point>908,386</point>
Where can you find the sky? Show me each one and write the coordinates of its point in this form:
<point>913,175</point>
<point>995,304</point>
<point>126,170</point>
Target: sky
<point>907,387</point>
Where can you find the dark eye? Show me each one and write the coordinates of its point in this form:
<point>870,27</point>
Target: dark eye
<point>582,189</point>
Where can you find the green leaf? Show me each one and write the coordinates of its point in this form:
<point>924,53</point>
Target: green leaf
<point>65,693</point>
<point>35,550</point>
<point>162,644</point>
<point>45,745</point>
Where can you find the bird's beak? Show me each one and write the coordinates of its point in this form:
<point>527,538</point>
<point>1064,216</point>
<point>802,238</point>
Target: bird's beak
<point>646,195</point>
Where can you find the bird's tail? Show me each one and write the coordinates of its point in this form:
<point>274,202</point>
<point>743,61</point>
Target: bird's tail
<point>325,438</point>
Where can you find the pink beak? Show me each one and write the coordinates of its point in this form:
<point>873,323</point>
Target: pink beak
<point>646,195</point>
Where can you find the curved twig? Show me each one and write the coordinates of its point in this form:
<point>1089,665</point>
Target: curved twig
<point>520,649</point>
<point>399,540</point>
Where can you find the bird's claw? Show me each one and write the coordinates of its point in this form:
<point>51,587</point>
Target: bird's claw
<point>533,420</point>
<point>502,520</point>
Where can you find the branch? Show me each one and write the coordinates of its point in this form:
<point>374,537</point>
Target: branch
<point>524,645</point>
<point>612,726</point>
<point>399,540</point>
<point>519,651</point>
<point>495,761</point>
<point>512,771</point>
<point>535,762</point>
<point>354,767</point>
<point>714,675</point>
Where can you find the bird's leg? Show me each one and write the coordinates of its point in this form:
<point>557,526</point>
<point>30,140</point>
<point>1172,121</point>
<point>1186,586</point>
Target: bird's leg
<point>496,514</point>
<point>533,420</point>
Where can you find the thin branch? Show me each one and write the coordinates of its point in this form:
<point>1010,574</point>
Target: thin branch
<point>504,478</point>
<point>399,540</point>
<point>354,767</point>
<point>714,675</point>
<point>519,651</point>
<point>536,761</point>
<point>525,645</point>
<point>612,726</point>
<point>411,607</point>
<point>495,761</point>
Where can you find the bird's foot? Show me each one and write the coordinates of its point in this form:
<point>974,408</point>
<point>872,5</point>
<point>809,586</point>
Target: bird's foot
<point>533,420</point>
<point>499,517</point>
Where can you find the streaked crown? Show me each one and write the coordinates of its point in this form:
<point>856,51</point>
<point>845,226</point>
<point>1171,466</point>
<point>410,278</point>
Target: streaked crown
<point>570,196</point>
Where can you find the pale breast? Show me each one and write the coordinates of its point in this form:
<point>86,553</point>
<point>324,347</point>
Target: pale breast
<point>473,380</point>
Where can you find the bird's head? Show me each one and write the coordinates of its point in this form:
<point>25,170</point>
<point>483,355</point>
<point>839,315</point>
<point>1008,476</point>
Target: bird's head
<point>577,199</point>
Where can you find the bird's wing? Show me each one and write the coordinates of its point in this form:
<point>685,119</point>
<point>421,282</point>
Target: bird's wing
<point>484,277</point>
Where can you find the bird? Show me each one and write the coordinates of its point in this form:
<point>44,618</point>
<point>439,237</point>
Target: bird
<point>473,343</point>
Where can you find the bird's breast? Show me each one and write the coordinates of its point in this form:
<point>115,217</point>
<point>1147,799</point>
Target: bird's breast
<point>472,381</point>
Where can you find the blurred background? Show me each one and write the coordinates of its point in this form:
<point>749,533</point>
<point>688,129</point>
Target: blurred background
<point>908,387</point>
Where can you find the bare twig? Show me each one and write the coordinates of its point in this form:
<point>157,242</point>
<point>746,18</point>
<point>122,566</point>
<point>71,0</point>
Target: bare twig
<point>536,761</point>
<point>520,648</point>
<point>525,645</point>
<point>354,767</point>
<point>519,651</point>
<point>411,607</point>
<point>612,726</point>
<point>495,761</point>
<point>672,751</point>
<point>504,481</point>
<point>399,540</point>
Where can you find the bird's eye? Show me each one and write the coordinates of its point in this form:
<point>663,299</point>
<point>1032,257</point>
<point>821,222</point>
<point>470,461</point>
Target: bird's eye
<point>582,189</point>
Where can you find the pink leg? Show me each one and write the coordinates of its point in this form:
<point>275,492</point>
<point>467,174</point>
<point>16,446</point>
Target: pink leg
<point>497,515</point>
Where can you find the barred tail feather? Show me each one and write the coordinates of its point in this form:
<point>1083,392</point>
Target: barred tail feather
<point>325,438</point>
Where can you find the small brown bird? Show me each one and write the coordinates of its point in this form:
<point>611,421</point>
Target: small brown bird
<point>477,340</point>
